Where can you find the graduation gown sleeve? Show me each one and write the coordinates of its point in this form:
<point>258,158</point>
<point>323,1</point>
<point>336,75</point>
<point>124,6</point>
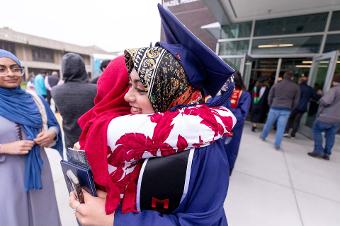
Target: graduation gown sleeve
<point>203,204</point>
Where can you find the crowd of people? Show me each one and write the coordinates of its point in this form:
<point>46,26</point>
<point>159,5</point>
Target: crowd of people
<point>132,122</point>
<point>283,105</point>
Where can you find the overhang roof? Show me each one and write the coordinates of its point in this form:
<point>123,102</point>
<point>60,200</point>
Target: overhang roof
<point>230,11</point>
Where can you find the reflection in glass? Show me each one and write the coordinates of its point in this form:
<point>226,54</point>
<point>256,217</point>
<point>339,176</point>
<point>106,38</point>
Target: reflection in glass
<point>265,68</point>
<point>299,66</point>
<point>291,45</point>
<point>335,22</point>
<point>234,62</point>
<point>318,81</point>
<point>237,30</point>
<point>233,47</point>
<point>291,25</point>
<point>332,43</point>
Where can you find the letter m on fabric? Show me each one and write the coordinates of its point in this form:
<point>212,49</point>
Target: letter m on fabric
<point>164,203</point>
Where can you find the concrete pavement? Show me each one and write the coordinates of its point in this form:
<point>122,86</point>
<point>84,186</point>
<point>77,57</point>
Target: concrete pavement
<point>267,188</point>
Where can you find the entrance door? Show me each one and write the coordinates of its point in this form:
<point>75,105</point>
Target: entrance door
<point>320,78</point>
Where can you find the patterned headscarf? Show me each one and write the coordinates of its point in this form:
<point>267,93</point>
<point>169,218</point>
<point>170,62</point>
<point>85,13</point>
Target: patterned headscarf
<point>163,76</point>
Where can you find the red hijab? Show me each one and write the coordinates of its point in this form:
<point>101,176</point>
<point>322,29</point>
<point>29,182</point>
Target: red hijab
<point>109,103</point>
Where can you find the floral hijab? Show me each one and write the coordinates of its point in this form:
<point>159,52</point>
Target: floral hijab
<point>163,77</point>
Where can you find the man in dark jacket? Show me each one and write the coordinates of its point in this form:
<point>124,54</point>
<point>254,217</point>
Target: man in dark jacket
<point>306,94</point>
<point>74,97</point>
<point>328,121</point>
<point>283,97</point>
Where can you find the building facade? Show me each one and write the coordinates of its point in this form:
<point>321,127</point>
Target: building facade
<point>193,14</point>
<point>42,55</point>
<point>263,38</point>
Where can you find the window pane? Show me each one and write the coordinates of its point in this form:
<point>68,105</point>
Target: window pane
<point>42,54</point>
<point>299,66</point>
<point>236,30</point>
<point>291,25</point>
<point>234,62</point>
<point>332,43</point>
<point>265,68</point>
<point>335,22</point>
<point>233,47</point>
<point>290,45</point>
<point>9,46</point>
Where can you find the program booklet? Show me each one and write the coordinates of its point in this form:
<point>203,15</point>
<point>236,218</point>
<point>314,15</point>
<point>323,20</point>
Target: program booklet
<point>77,170</point>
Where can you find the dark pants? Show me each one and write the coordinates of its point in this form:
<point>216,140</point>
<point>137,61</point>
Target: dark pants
<point>48,97</point>
<point>330,130</point>
<point>294,121</point>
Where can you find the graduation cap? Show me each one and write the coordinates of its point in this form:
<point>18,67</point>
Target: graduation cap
<point>204,69</point>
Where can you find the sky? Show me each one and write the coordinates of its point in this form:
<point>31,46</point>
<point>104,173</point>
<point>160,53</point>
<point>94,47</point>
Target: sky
<point>109,24</point>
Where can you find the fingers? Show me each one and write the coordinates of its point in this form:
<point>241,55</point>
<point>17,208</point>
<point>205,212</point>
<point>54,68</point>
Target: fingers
<point>87,196</point>
<point>40,134</point>
<point>40,139</point>
<point>28,143</point>
<point>76,146</point>
<point>44,140</point>
<point>73,202</point>
<point>25,146</point>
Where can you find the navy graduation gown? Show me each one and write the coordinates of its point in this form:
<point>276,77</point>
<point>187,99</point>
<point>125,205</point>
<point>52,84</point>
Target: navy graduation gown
<point>240,113</point>
<point>203,204</point>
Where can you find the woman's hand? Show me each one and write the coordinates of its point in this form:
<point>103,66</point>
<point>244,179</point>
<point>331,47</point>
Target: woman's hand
<point>92,212</point>
<point>45,138</point>
<point>21,147</point>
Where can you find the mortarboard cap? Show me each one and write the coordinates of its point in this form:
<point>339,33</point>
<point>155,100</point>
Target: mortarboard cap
<point>204,69</point>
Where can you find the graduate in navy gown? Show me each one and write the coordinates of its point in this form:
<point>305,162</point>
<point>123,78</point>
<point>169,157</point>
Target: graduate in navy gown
<point>154,72</point>
<point>240,103</point>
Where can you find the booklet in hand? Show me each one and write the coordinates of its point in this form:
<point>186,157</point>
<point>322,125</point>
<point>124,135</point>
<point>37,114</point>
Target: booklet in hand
<point>77,173</point>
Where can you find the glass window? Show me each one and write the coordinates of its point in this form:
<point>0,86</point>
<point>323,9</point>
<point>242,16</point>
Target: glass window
<point>233,47</point>
<point>335,22</point>
<point>291,25</point>
<point>42,54</point>
<point>265,68</point>
<point>332,43</point>
<point>9,46</point>
<point>291,45</point>
<point>234,62</point>
<point>299,66</point>
<point>237,30</point>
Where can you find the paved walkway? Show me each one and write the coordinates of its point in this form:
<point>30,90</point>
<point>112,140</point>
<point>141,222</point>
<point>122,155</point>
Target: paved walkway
<point>268,187</point>
<point>283,188</point>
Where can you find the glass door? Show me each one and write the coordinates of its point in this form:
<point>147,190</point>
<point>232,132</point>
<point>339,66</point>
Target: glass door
<point>263,68</point>
<point>320,78</point>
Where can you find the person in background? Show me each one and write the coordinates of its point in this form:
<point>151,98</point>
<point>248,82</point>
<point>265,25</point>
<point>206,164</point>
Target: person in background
<point>74,97</point>
<point>306,94</point>
<point>30,82</point>
<point>51,81</point>
<point>27,127</point>
<point>39,85</point>
<point>259,108</point>
<point>102,67</point>
<point>240,102</point>
<point>283,97</point>
<point>327,121</point>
